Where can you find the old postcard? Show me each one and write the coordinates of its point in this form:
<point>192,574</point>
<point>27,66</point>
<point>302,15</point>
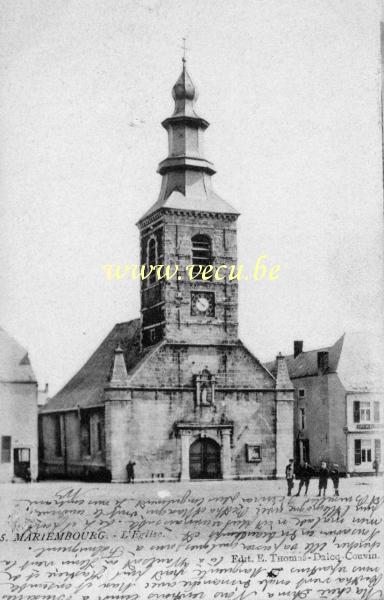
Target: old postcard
<point>191,341</point>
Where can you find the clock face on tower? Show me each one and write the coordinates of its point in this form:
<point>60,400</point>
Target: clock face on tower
<point>203,304</point>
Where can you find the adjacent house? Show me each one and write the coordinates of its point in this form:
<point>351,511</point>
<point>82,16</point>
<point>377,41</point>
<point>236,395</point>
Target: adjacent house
<point>339,402</point>
<point>18,411</point>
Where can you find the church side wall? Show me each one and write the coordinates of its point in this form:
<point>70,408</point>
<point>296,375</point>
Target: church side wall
<point>68,458</point>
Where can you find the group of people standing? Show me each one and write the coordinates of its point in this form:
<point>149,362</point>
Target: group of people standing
<point>305,474</point>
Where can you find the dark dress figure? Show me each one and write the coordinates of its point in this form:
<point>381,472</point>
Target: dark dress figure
<point>323,478</point>
<point>306,472</point>
<point>335,476</point>
<point>289,475</point>
<point>130,472</point>
<point>27,474</point>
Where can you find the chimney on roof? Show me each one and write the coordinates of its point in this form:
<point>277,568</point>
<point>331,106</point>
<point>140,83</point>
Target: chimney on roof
<point>297,347</point>
<point>322,362</point>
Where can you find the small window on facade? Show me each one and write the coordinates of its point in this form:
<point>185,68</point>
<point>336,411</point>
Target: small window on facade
<point>301,394</point>
<point>302,418</point>
<point>86,433</point>
<point>58,447</point>
<point>6,442</point>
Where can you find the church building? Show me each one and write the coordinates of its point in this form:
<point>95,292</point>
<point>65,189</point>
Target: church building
<point>176,392</point>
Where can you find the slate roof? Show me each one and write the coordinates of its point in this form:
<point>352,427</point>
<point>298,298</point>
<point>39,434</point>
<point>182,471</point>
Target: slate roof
<point>210,202</point>
<point>15,365</point>
<point>357,357</point>
<point>305,364</point>
<point>361,365</point>
<point>86,388</point>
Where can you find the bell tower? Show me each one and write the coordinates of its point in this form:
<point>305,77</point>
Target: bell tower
<point>189,228</point>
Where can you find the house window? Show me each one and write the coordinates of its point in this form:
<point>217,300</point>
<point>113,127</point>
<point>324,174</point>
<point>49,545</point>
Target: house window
<point>362,412</point>
<point>301,394</point>
<point>201,254</point>
<point>6,441</point>
<point>363,451</point>
<point>302,418</point>
<point>366,451</point>
<point>365,412</point>
<point>85,429</point>
<point>99,436</point>
<point>378,450</point>
<point>23,454</point>
<point>58,446</point>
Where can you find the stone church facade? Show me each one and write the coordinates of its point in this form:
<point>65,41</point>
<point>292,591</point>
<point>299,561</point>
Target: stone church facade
<point>176,391</point>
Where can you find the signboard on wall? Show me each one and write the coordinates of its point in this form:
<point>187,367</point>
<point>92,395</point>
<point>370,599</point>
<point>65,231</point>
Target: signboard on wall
<point>253,452</point>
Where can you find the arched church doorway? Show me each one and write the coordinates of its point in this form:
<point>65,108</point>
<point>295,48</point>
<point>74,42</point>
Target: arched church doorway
<point>204,459</point>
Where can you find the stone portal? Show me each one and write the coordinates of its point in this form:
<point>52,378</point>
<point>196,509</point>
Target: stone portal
<point>204,459</point>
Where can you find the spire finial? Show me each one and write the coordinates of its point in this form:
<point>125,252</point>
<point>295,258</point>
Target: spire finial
<point>184,48</point>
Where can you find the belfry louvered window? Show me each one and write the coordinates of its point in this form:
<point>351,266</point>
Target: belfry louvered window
<point>201,250</point>
<point>201,253</point>
<point>152,259</point>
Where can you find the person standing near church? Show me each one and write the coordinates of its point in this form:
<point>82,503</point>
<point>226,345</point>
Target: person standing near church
<point>306,473</point>
<point>323,478</point>
<point>289,475</point>
<point>130,472</point>
<point>335,476</point>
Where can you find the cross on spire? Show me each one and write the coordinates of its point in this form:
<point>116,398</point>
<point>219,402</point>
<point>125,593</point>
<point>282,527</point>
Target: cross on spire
<point>184,48</point>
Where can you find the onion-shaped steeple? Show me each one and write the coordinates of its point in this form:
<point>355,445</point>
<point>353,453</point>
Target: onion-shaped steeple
<point>186,174</point>
<point>185,95</point>
<point>185,129</point>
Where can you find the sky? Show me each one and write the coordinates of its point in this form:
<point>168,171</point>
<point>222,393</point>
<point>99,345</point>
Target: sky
<point>292,91</point>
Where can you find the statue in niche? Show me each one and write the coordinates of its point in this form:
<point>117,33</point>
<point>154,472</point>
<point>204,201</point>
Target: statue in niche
<point>205,384</point>
<point>204,395</point>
